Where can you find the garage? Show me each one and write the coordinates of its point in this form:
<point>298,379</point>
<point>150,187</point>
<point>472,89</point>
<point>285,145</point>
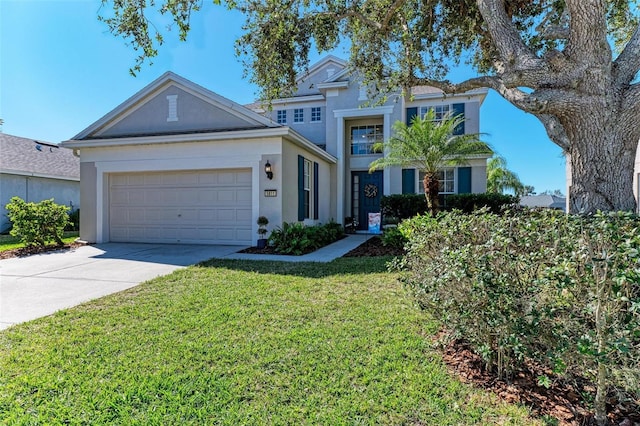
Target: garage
<point>186,207</point>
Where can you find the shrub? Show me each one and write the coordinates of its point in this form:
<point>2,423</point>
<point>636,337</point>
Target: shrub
<point>74,221</point>
<point>37,224</point>
<point>403,206</point>
<point>297,239</point>
<point>561,290</point>
<point>392,237</point>
<point>468,203</point>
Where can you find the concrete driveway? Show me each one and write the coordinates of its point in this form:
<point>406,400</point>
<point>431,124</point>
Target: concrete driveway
<point>36,286</point>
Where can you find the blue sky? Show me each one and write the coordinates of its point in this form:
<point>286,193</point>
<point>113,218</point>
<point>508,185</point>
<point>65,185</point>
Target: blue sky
<point>61,70</point>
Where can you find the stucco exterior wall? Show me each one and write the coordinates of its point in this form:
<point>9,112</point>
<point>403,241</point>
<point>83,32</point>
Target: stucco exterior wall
<point>35,189</point>
<point>290,189</point>
<point>97,164</point>
<point>192,112</point>
<point>88,201</point>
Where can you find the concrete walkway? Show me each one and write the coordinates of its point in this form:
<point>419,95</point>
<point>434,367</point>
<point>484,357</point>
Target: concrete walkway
<point>35,286</point>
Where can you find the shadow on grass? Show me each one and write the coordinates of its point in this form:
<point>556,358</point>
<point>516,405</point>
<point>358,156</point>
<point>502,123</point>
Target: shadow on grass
<point>340,266</point>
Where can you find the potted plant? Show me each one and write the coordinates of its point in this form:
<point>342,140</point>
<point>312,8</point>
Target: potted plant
<point>262,231</point>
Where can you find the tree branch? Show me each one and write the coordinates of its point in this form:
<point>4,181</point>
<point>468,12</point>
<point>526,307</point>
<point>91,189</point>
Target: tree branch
<point>531,103</point>
<point>626,66</point>
<point>555,130</point>
<point>550,31</point>
<point>588,31</point>
<point>514,53</point>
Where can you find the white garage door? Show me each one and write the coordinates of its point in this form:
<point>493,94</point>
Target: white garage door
<point>190,207</point>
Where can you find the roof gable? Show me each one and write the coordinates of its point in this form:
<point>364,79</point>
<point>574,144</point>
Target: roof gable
<point>321,71</point>
<point>35,158</point>
<point>170,105</point>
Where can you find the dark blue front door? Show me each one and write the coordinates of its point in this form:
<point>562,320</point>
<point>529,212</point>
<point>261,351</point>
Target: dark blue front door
<point>365,196</point>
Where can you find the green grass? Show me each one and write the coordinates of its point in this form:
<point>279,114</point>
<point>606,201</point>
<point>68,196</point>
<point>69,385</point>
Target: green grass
<point>7,242</point>
<point>235,343</point>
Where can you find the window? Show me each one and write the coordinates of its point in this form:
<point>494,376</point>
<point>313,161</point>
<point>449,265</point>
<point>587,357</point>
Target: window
<point>316,115</point>
<point>440,111</point>
<point>308,191</point>
<point>306,186</point>
<point>298,115</point>
<point>446,181</point>
<point>281,116</point>
<point>363,139</point>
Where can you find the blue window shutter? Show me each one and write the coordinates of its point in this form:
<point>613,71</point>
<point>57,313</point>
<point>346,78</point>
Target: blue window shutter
<point>316,197</point>
<point>300,188</point>
<point>411,113</point>
<point>464,180</point>
<point>458,109</point>
<point>408,181</point>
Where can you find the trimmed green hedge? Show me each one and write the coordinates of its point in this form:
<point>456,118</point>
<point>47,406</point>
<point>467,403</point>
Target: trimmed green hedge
<point>405,206</point>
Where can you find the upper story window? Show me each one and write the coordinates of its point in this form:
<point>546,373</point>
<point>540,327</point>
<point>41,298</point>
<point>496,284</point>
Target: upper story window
<point>363,138</point>
<point>281,116</point>
<point>446,181</point>
<point>440,111</point>
<point>316,114</point>
<point>298,115</point>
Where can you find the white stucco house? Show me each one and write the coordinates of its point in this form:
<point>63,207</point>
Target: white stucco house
<point>177,163</point>
<point>35,171</point>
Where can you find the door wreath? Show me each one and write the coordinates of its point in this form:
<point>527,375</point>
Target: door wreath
<point>370,190</point>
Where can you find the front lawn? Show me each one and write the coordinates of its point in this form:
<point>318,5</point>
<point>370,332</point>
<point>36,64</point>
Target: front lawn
<point>8,242</point>
<point>242,342</point>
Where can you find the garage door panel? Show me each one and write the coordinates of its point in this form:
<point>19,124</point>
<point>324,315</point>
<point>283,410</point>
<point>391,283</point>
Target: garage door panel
<point>244,196</point>
<point>205,207</point>
<point>243,178</point>
<point>244,215</point>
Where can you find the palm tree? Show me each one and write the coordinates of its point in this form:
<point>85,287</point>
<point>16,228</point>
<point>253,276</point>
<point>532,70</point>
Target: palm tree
<point>428,145</point>
<point>500,179</point>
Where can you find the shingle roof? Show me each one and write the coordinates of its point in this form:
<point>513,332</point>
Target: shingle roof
<point>27,156</point>
<point>544,200</point>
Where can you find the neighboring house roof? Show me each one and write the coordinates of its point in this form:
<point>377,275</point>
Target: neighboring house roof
<point>544,200</point>
<point>24,156</point>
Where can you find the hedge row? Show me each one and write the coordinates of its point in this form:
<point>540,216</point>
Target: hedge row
<point>561,290</point>
<point>404,206</point>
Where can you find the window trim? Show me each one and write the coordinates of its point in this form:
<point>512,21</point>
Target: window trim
<point>317,110</point>
<point>422,110</point>
<point>283,113</point>
<point>378,136</point>
<point>420,187</point>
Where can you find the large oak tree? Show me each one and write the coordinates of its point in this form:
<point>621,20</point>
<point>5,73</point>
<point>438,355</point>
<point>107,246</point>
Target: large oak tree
<point>571,63</point>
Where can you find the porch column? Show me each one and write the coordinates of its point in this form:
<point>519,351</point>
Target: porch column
<point>340,171</point>
<point>386,133</point>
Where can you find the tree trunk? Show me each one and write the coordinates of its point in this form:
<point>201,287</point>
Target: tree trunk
<point>431,192</point>
<point>602,159</point>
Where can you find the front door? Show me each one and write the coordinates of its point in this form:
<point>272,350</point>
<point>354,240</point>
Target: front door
<point>366,191</point>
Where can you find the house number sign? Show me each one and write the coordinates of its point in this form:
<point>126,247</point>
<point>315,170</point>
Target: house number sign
<point>270,192</point>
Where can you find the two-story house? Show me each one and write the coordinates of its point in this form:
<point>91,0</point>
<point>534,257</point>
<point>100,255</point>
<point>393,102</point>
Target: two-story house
<point>332,109</point>
<point>177,163</point>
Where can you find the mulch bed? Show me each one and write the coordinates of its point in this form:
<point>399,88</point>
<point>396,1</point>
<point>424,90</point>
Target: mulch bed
<point>560,400</point>
<point>373,247</point>
<point>29,251</point>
